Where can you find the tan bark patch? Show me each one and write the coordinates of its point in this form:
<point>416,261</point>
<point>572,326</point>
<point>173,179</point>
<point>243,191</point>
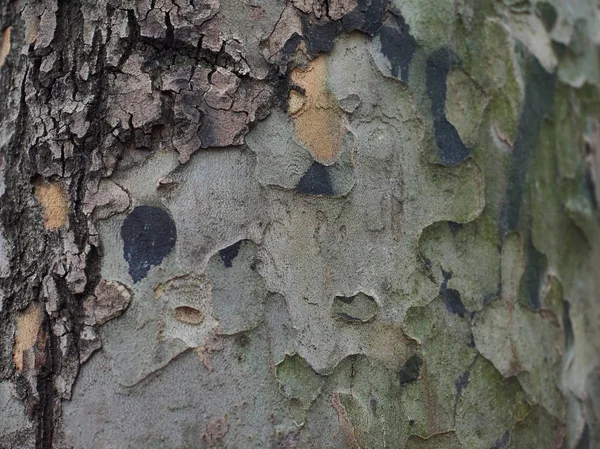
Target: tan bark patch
<point>4,46</point>
<point>53,200</point>
<point>317,119</point>
<point>28,326</point>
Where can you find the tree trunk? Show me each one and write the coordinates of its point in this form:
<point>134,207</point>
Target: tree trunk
<point>302,224</point>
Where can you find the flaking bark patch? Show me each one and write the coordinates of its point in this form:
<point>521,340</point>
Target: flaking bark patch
<point>317,119</point>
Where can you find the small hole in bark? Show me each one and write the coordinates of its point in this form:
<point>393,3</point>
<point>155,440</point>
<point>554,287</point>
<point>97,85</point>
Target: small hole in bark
<point>188,315</point>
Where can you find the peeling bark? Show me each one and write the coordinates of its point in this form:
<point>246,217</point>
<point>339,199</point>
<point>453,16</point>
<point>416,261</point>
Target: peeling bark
<point>293,224</point>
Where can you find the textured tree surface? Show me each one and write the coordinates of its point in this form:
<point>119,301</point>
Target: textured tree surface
<point>300,224</point>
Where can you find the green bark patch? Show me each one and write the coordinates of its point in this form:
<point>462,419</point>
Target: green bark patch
<point>491,399</point>
<point>475,268</point>
<point>433,381</point>
<point>300,384</point>
<point>520,341</point>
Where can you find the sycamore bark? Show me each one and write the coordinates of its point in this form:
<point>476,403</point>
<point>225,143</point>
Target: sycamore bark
<point>300,224</point>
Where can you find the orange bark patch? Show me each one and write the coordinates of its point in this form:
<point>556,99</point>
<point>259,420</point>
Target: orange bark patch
<point>28,326</point>
<point>53,200</point>
<point>316,116</point>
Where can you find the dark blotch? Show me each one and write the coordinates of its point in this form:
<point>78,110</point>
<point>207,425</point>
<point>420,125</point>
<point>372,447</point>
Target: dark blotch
<point>320,37</point>
<point>316,181</point>
<point>589,185</point>
<point>451,297</point>
<point>398,46</point>
<point>453,302</point>
<point>535,268</point>
<point>427,263</point>
<point>230,253</point>
<point>290,47</point>
<point>451,149</point>
<point>471,343</point>
<point>149,235</point>
<point>502,443</point>
<point>538,103</point>
<point>462,382</point>
<point>410,370</point>
<point>373,404</point>
<point>346,299</point>
<point>454,227</point>
<point>366,17</point>
<point>585,441</point>
<point>547,13</point>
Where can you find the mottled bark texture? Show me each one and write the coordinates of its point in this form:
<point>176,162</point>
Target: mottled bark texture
<point>300,224</point>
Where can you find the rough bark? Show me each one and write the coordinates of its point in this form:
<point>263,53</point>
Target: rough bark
<point>302,224</point>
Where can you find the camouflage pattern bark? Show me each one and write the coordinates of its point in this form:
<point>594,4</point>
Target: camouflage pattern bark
<point>300,224</point>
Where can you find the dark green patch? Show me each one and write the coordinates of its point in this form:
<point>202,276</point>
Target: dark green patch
<point>535,268</point>
<point>451,149</point>
<point>410,370</point>
<point>548,14</point>
<point>539,102</point>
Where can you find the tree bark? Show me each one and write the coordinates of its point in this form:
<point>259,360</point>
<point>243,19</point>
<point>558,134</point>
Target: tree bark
<point>299,224</point>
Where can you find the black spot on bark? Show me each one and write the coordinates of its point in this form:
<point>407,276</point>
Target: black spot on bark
<point>410,370</point>
<point>502,443</point>
<point>451,149</point>
<point>149,235</point>
<point>366,17</point>
<point>316,181</point>
<point>398,46</point>
<point>451,297</point>
<point>346,299</point>
<point>230,253</point>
